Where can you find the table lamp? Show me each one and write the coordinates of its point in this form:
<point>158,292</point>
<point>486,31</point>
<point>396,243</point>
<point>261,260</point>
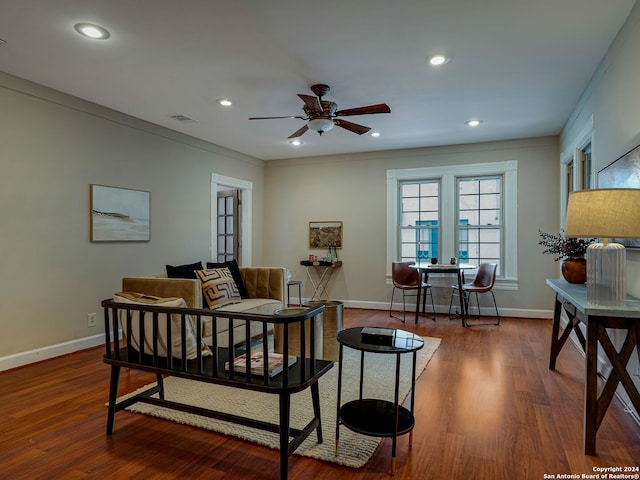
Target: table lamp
<point>605,213</point>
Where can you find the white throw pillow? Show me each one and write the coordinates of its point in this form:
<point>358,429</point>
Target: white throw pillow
<point>176,329</point>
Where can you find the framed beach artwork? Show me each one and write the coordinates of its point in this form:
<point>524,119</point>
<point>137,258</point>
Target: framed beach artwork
<point>325,234</point>
<point>623,173</point>
<point>119,214</point>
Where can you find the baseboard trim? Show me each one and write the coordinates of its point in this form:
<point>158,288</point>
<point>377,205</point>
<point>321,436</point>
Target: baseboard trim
<point>45,353</point>
<point>444,309</point>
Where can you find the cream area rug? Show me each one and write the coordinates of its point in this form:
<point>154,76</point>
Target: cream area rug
<point>354,449</point>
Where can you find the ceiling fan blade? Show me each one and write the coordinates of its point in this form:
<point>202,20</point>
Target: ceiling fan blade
<point>313,103</point>
<point>269,118</point>
<point>352,127</point>
<point>299,132</point>
<point>368,110</point>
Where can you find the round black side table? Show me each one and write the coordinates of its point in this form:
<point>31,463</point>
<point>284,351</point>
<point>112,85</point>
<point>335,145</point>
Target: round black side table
<point>371,416</point>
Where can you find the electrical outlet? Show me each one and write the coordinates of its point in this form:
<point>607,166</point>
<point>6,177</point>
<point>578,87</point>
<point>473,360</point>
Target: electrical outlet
<point>91,320</point>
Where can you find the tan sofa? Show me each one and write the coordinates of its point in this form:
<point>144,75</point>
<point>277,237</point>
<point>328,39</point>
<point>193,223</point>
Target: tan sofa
<point>264,285</point>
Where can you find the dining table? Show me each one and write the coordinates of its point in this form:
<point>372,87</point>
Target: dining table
<point>457,269</point>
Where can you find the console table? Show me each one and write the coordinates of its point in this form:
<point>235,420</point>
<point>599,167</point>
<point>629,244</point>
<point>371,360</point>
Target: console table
<point>572,298</point>
<point>375,417</point>
<point>324,272</point>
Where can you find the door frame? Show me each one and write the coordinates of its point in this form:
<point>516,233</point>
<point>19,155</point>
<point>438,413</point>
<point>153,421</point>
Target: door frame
<point>218,181</point>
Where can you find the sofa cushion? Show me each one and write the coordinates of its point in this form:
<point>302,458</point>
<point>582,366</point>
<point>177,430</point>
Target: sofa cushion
<point>176,326</point>
<point>244,305</point>
<point>249,303</point>
<point>183,271</point>
<point>264,282</point>
<point>219,287</point>
<point>232,265</point>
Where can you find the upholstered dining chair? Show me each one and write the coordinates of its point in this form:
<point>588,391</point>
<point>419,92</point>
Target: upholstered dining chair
<point>407,279</point>
<point>483,283</point>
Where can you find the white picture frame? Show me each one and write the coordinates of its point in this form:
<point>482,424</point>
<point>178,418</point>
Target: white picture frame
<point>119,214</point>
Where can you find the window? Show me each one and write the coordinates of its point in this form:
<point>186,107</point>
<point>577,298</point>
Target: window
<point>465,211</point>
<point>585,157</point>
<point>569,177</point>
<point>576,165</point>
<point>479,226</point>
<point>419,230</point>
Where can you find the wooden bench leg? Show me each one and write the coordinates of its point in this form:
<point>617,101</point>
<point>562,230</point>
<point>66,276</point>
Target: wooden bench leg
<point>113,395</point>
<point>160,380</point>
<point>285,410</point>
<point>315,399</point>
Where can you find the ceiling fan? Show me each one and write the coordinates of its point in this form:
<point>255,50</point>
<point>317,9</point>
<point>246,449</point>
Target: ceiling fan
<point>322,114</point>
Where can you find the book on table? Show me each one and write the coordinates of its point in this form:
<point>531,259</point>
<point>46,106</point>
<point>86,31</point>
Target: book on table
<point>378,335</point>
<point>275,363</point>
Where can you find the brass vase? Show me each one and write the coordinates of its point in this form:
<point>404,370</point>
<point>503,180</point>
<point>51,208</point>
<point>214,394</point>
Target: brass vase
<point>574,269</point>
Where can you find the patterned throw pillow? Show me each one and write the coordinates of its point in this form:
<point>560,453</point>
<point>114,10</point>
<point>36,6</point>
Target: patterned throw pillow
<point>232,265</point>
<point>219,287</point>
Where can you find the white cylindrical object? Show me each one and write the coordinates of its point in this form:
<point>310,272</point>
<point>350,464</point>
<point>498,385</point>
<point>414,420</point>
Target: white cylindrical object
<point>606,274</point>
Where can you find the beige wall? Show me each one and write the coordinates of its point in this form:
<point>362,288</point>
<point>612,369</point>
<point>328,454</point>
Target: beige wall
<point>352,189</point>
<point>52,147</point>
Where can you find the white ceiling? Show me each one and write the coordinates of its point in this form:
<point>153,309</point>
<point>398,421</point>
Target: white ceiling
<point>519,65</point>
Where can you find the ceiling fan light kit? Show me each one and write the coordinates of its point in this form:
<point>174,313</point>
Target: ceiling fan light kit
<point>320,125</point>
<point>321,114</point>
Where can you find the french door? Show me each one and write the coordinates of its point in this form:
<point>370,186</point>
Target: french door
<point>228,218</point>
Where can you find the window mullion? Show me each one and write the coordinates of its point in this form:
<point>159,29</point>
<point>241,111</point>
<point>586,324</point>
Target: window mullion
<point>448,207</point>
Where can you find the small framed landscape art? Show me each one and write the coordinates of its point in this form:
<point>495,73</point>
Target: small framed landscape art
<point>119,214</point>
<point>325,234</point>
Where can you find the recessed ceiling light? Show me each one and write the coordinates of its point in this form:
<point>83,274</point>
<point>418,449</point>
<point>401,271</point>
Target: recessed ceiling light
<point>295,142</point>
<point>473,123</point>
<point>225,102</point>
<point>92,31</point>
<point>436,60</point>
<point>375,134</point>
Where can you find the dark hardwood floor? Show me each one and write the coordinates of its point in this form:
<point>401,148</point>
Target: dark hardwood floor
<point>487,407</point>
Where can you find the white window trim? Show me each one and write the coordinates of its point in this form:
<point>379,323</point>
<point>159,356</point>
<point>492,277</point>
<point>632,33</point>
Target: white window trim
<point>448,176</point>
<point>218,181</point>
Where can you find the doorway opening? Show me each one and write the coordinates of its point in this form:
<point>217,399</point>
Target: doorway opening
<point>231,206</point>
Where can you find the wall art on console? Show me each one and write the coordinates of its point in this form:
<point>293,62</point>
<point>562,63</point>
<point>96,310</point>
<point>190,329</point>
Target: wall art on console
<point>325,234</point>
<point>623,173</point>
<point>119,214</point>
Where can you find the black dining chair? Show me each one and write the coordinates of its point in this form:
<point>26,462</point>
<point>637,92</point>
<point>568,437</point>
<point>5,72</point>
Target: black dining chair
<point>483,283</point>
<point>407,279</point>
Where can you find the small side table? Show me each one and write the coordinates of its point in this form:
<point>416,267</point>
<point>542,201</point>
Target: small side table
<point>375,417</point>
<point>324,272</point>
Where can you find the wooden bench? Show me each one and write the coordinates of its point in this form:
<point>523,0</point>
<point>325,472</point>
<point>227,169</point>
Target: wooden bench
<point>173,346</point>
